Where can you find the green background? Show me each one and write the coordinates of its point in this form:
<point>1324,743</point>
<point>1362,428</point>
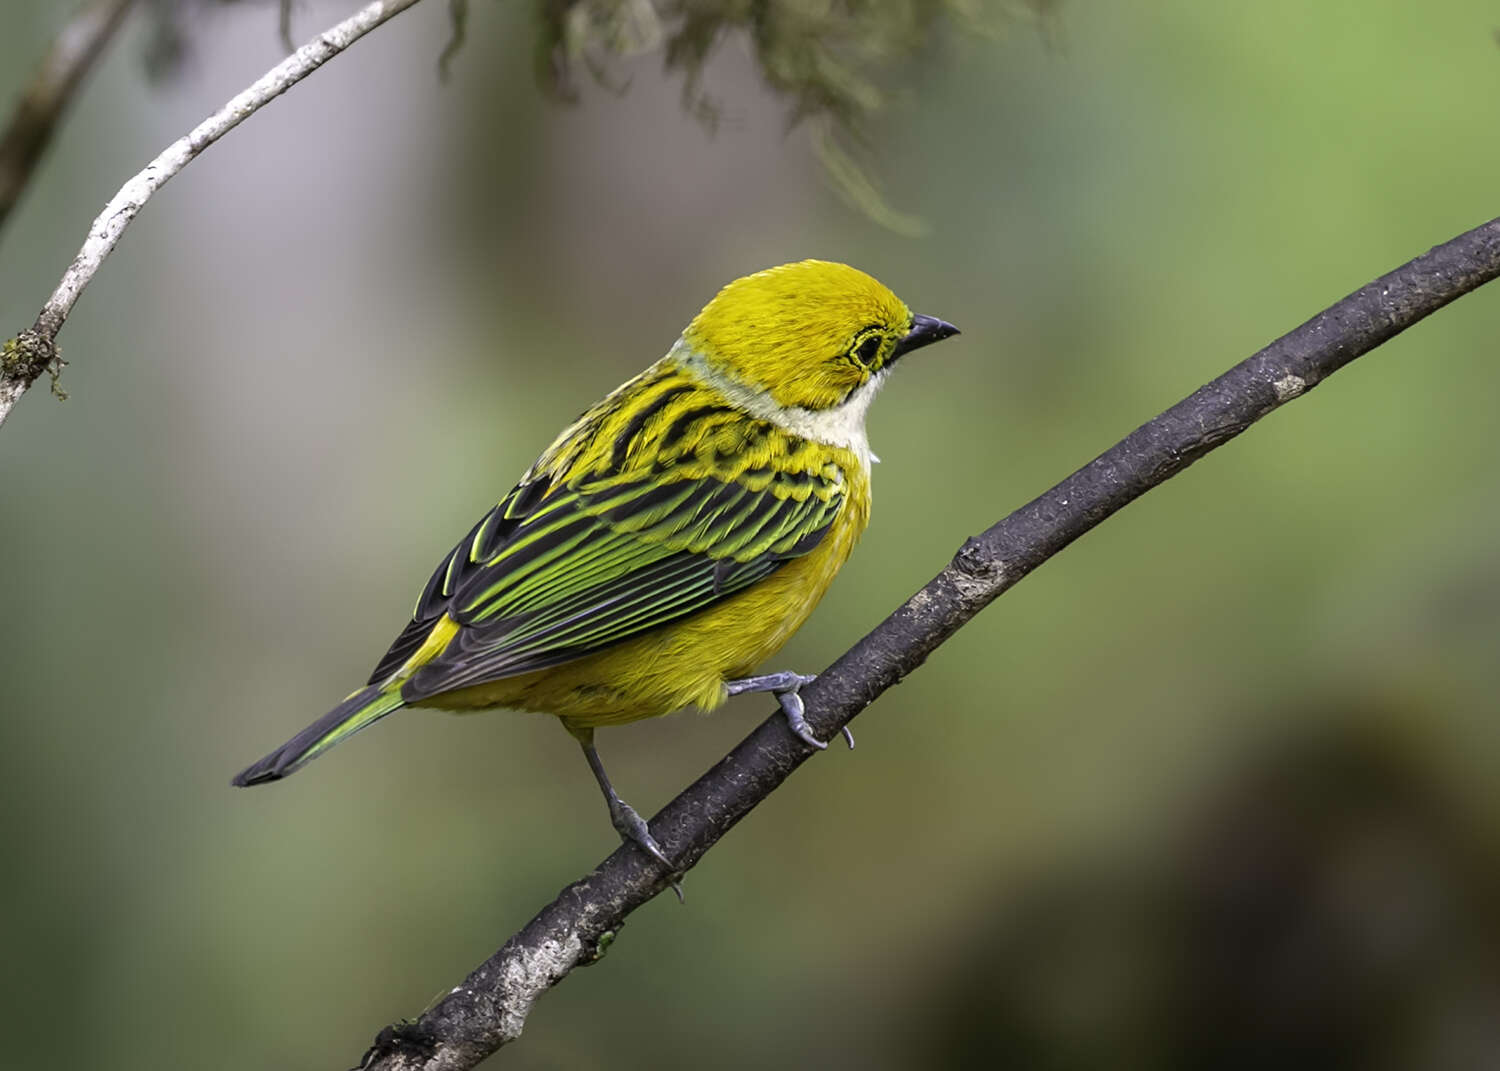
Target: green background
<point>339,336</point>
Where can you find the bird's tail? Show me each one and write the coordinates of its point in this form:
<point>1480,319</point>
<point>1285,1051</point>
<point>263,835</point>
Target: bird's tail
<point>362,708</point>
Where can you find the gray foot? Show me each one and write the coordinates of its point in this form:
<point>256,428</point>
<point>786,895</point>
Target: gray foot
<point>632,829</point>
<point>785,686</point>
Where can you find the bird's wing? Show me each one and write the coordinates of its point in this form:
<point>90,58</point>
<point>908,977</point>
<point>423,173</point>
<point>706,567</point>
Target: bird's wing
<point>487,536</point>
<point>555,573</point>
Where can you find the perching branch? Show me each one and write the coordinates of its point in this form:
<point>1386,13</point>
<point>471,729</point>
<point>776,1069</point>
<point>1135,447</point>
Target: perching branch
<point>43,101</point>
<point>490,1007</point>
<point>34,351</point>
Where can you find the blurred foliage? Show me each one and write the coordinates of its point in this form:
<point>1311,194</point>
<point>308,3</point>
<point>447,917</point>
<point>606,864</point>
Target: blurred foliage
<point>831,60</point>
<point>828,57</point>
<point>169,42</point>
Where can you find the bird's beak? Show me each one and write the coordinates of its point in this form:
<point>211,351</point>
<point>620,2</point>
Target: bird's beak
<point>925,330</point>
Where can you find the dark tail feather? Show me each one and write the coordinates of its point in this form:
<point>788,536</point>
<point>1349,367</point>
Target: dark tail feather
<point>362,708</point>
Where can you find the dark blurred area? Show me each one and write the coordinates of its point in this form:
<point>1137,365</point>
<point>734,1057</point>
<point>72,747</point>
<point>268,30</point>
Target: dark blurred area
<point>1215,788</point>
<point>1330,901</point>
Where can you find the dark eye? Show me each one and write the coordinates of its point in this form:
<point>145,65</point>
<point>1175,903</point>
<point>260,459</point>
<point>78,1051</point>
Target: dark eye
<point>865,352</point>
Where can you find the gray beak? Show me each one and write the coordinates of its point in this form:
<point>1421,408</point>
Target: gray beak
<point>925,330</point>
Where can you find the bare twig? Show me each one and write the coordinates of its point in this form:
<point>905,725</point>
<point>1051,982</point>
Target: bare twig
<point>458,21</point>
<point>44,100</point>
<point>490,1007</point>
<point>32,352</point>
<point>284,25</point>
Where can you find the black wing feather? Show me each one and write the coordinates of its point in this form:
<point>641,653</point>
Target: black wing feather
<point>641,555</point>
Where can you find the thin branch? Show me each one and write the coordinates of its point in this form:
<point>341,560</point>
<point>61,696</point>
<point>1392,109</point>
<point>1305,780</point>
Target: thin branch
<point>490,1007</point>
<point>44,100</point>
<point>458,22</point>
<point>32,352</point>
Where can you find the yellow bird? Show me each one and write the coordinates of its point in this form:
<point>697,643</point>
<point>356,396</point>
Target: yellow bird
<point>671,539</point>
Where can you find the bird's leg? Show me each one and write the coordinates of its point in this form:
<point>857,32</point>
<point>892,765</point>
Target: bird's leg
<point>785,686</point>
<point>630,825</point>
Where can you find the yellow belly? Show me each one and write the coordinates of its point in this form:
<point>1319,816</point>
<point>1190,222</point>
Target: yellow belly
<point>685,662</point>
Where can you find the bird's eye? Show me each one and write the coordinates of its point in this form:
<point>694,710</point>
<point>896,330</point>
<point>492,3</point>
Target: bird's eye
<point>865,352</point>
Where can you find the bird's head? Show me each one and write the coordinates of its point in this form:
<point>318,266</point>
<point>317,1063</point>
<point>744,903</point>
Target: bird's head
<point>809,335</point>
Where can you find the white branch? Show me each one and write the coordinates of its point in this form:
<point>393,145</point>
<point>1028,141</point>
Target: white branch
<point>127,204</point>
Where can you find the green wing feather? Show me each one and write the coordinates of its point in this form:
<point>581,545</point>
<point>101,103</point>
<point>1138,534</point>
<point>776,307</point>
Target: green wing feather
<point>556,573</point>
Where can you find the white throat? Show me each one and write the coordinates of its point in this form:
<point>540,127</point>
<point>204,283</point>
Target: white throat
<point>843,425</point>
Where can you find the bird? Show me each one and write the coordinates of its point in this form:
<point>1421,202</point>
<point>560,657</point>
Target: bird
<point>670,540</point>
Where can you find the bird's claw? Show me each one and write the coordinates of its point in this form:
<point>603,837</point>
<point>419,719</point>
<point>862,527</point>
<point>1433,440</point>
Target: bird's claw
<point>796,718</point>
<point>785,686</point>
<point>633,830</point>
